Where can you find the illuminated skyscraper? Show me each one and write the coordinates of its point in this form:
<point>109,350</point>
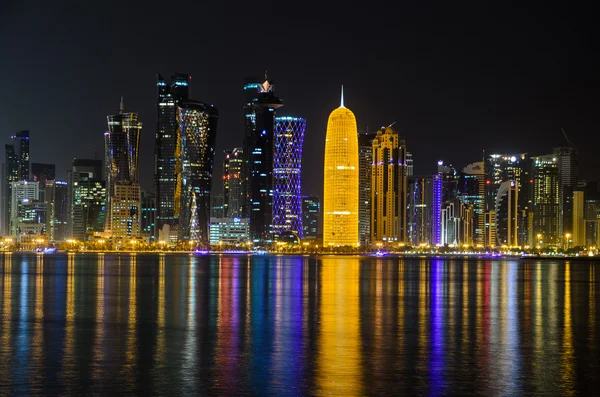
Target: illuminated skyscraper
<point>365,163</point>
<point>311,213</point>
<point>340,198</point>
<point>472,192</point>
<point>260,113</point>
<point>579,239</point>
<point>86,198</point>
<point>196,137</point>
<point>507,214</point>
<point>566,158</point>
<point>169,94</point>
<point>57,204</point>
<point>545,201</point>
<point>121,162</point>
<point>233,183</point>
<point>287,167</point>
<point>16,168</point>
<point>388,187</point>
<point>419,210</point>
<point>410,168</point>
<point>436,209</point>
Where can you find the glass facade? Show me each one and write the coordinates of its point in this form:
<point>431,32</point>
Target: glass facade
<point>86,198</point>
<point>311,214</point>
<point>195,156</point>
<point>365,162</point>
<point>287,166</point>
<point>169,94</point>
<point>340,194</point>
<point>546,201</point>
<point>419,210</point>
<point>233,183</point>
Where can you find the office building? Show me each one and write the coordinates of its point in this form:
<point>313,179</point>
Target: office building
<point>311,214</point>
<point>365,163</point>
<point>566,160</point>
<point>229,231</point>
<point>86,198</point>
<point>197,133</point>
<point>507,214</point>
<point>217,206</point>
<point>545,202</point>
<point>340,195</point>
<point>456,228</point>
<point>121,160</point>
<point>260,111</point>
<point>436,209</point>
<point>233,183</point>
<point>169,94</point>
<point>148,217</point>
<point>579,219</point>
<point>24,201</point>
<point>472,192</point>
<point>287,167</point>
<point>410,169</point>
<point>15,168</point>
<point>388,187</point>
<point>489,230</point>
<point>42,173</point>
<point>419,210</point>
<point>57,206</point>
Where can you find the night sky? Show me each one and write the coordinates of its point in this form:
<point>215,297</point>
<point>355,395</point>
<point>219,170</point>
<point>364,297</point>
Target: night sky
<point>456,77</point>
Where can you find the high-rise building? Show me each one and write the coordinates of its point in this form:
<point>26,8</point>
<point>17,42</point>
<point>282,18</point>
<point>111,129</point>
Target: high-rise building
<point>121,152</point>
<point>489,229</point>
<point>41,173</point>
<point>507,214</point>
<point>148,216</point>
<point>419,210</point>
<point>472,192</point>
<point>21,147</point>
<point>566,159</point>
<point>23,195</point>
<point>365,163</point>
<point>545,201</point>
<point>197,133</point>
<point>233,183</point>
<point>456,226</point>
<point>86,198</point>
<point>217,206</point>
<point>579,218</point>
<point>229,231</point>
<point>311,214</point>
<point>410,169</point>
<point>169,94</point>
<point>388,187</point>
<point>340,196</point>
<point>260,111</point>
<point>57,220</point>
<point>287,167</point>
<point>436,208</point>
<point>15,168</point>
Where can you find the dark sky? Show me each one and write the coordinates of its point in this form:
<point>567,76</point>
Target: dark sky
<point>456,77</point>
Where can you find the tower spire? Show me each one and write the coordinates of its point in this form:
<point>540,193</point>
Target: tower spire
<point>342,101</point>
<point>121,106</point>
<point>266,79</point>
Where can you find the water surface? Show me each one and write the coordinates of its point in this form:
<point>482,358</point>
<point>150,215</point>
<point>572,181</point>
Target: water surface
<point>180,324</point>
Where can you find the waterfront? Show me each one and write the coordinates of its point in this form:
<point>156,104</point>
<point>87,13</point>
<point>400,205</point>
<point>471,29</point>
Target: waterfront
<point>282,325</point>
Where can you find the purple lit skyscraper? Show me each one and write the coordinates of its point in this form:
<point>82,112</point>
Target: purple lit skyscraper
<point>287,164</point>
<point>436,219</point>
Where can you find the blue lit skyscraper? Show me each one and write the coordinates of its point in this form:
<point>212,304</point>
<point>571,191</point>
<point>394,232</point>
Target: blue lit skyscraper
<point>287,164</point>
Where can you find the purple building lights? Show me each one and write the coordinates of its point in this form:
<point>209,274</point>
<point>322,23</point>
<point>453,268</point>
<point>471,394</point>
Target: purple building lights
<point>436,235</point>
<point>287,164</point>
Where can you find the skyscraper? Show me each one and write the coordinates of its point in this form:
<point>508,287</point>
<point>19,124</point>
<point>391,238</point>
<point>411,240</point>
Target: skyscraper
<point>436,209</point>
<point>57,204</point>
<point>388,187</point>
<point>287,167</point>
<point>472,191</point>
<point>419,210</point>
<point>566,159</point>
<point>169,94</point>
<point>16,168</point>
<point>148,216</point>
<point>43,172</point>
<point>121,162</point>
<point>233,183</point>
<point>311,212</point>
<point>507,214</point>
<point>196,134</point>
<point>579,218</point>
<point>410,168</point>
<point>545,201</point>
<point>86,198</point>
<point>365,163</point>
<point>260,114</point>
<point>21,145</point>
<point>340,195</point>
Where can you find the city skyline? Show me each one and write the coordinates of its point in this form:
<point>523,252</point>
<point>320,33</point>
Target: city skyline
<point>489,104</point>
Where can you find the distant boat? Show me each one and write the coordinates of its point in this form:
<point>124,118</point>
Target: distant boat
<point>49,250</point>
<point>381,253</point>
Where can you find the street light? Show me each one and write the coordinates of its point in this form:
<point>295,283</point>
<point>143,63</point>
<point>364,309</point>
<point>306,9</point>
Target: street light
<point>568,238</point>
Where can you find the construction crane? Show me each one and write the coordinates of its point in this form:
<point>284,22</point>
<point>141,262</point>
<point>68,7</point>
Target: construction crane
<point>567,138</point>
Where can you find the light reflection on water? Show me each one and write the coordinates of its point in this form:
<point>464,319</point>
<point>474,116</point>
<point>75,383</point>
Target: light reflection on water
<point>166,324</point>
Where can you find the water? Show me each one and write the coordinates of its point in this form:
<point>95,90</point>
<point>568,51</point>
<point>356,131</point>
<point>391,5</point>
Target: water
<point>180,325</point>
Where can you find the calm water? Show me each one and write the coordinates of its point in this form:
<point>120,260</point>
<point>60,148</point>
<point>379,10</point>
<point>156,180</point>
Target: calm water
<point>157,325</point>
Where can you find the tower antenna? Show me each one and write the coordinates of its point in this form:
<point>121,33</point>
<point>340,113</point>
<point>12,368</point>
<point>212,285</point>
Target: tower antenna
<point>566,137</point>
<point>342,100</point>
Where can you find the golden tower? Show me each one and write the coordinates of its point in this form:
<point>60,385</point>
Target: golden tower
<point>340,196</point>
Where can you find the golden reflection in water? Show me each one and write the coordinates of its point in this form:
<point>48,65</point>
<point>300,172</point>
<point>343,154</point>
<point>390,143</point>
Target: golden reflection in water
<point>592,307</point>
<point>190,352</point>
<point>567,357</point>
<point>538,335</point>
<point>160,337</point>
<point>37,345</point>
<point>6,348</point>
<point>98,345</point>
<point>465,309</point>
<point>423,313</point>
<point>480,266</point>
<point>450,270</point>
<point>69,355</point>
<point>132,312</point>
<point>339,340</point>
